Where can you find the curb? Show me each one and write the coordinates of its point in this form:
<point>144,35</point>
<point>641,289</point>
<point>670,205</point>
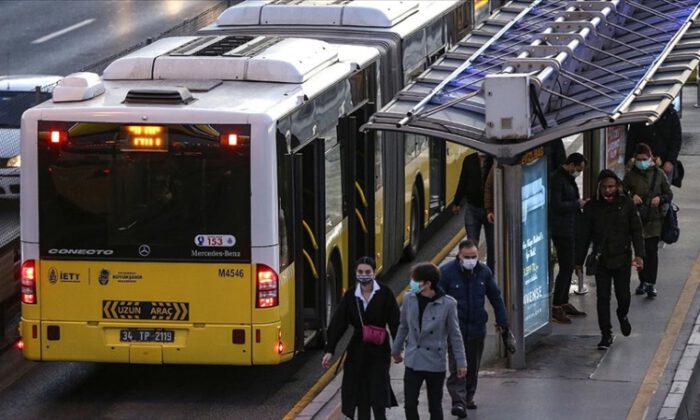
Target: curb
<point>686,381</point>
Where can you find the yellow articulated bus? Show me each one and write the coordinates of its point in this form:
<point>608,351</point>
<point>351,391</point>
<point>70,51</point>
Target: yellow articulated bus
<point>204,199</point>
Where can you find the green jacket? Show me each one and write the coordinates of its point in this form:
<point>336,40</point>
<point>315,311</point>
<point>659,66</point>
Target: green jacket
<point>638,182</point>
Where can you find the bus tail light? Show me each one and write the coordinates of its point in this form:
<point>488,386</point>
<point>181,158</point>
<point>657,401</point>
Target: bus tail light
<point>267,287</point>
<point>58,136</point>
<point>28,282</point>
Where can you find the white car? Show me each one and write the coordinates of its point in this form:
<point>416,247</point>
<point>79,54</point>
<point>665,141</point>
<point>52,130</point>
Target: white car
<point>17,94</point>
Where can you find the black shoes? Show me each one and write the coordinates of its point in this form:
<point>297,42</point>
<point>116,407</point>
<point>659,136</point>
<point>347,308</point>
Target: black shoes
<point>471,405</point>
<point>571,310</point>
<point>641,289</point>
<point>625,326</point>
<point>459,411</point>
<point>650,291</point>
<point>606,341</point>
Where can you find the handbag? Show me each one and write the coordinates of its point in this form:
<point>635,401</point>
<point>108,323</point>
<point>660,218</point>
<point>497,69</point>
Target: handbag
<point>371,333</point>
<point>678,174</point>
<point>670,230</point>
<point>592,263</point>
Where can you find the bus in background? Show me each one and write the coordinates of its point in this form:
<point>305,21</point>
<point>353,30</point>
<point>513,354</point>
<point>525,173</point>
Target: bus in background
<point>409,35</point>
<point>203,201</point>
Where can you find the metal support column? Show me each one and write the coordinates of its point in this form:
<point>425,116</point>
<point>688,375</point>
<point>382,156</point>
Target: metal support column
<point>508,203</point>
<point>594,150</point>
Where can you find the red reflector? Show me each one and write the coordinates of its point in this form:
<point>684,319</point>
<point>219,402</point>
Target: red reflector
<point>238,337</point>
<point>280,347</point>
<point>257,335</point>
<point>28,282</point>
<point>19,345</point>
<point>35,331</point>
<point>267,294</point>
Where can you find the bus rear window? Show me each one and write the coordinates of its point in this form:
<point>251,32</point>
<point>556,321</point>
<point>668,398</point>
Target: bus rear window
<point>134,192</point>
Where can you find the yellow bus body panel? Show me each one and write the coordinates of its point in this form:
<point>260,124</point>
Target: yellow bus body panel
<point>91,303</point>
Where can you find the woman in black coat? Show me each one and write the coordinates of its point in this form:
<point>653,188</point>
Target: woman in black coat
<point>366,381</point>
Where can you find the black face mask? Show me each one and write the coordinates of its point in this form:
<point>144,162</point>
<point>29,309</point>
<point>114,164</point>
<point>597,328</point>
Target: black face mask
<point>364,278</point>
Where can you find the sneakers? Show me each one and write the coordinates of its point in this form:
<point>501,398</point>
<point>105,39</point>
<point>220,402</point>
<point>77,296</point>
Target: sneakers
<point>571,310</point>
<point>650,291</point>
<point>641,289</point>
<point>471,405</point>
<point>606,341</point>
<point>459,411</point>
<point>625,326</point>
<point>559,315</point>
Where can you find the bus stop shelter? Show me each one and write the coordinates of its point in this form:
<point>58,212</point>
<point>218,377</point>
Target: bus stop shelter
<point>534,72</point>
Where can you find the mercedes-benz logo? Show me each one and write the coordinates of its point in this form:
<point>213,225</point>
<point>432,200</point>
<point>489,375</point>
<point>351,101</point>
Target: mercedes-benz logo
<point>144,250</point>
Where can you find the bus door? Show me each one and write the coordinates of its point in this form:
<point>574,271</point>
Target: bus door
<point>310,243</point>
<point>437,177</point>
<point>359,161</point>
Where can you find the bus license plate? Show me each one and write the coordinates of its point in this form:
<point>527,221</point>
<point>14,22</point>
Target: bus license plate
<point>146,336</point>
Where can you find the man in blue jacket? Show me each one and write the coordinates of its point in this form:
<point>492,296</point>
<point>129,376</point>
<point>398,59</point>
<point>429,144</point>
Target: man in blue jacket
<point>470,282</point>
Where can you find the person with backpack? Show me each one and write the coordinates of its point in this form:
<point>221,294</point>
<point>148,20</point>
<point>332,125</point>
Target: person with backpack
<point>648,187</point>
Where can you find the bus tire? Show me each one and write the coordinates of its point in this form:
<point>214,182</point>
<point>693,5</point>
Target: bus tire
<point>330,300</point>
<point>411,250</point>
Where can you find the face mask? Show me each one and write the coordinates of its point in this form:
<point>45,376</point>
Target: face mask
<point>643,164</point>
<point>364,278</point>
<point>575,174</point>
<point>469,264</point>
<point>415,286</point>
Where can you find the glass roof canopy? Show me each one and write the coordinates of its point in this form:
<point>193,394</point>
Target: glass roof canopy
<point>591,64</point>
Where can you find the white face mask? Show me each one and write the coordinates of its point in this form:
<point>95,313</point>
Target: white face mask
<point>575,174</point>
<point>469,264</point>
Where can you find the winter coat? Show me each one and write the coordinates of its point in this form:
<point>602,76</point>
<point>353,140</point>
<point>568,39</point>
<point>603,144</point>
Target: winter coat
<point>366,364</point>
<point>638,182</point>
<point>426,343</point>
<point>470,289</point>
<point>472,180</point>
<point>564,207</point>
<point>611,227</point>
<point>664,137</point>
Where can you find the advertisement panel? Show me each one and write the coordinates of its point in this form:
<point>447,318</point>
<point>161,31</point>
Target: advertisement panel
<point>535,245</point>
<point>616,141</point>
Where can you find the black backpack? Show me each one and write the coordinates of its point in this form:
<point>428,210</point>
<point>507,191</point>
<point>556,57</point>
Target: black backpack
<point>670,230</point>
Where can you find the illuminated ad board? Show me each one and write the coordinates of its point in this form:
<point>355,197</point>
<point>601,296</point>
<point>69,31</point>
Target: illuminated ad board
<point>535,245</point>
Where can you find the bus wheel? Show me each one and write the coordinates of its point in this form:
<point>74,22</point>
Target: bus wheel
<point>329,299</point>
<point>412,249</point>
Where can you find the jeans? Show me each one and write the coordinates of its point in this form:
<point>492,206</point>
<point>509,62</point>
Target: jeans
<point>412,381</point>
<point>462,390</point>
<point>474,218</point>
<point>565,256</point>
<point>651,261</point>
<point>604,278</point>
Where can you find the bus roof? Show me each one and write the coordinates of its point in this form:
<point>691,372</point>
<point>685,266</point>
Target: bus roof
<point>140,80</point>
<point>400,17</point>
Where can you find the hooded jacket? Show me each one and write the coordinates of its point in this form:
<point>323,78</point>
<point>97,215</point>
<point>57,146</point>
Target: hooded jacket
<point>564,206</point>
<point>613,227</point>
<point>638,182</point>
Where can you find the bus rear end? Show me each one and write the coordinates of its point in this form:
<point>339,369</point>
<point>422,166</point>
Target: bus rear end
<point>143,248</point>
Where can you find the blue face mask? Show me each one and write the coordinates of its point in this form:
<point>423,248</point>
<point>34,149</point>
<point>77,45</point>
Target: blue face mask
<point>415,286</point>
<point>643,164</point>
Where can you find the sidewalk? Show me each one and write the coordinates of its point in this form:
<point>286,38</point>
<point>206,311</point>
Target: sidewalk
<point>566,376</point>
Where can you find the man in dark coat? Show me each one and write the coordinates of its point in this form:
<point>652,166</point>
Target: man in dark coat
<point>470,283</point>
<point>611,222</point>
<point>664,137</point>
<point>471,189</point>
<point>565,207</point>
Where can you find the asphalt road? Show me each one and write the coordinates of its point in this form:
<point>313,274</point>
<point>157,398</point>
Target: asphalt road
<point>60,37</point>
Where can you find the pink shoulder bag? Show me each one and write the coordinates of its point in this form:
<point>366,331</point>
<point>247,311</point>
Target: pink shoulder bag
<point>371,333</point>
